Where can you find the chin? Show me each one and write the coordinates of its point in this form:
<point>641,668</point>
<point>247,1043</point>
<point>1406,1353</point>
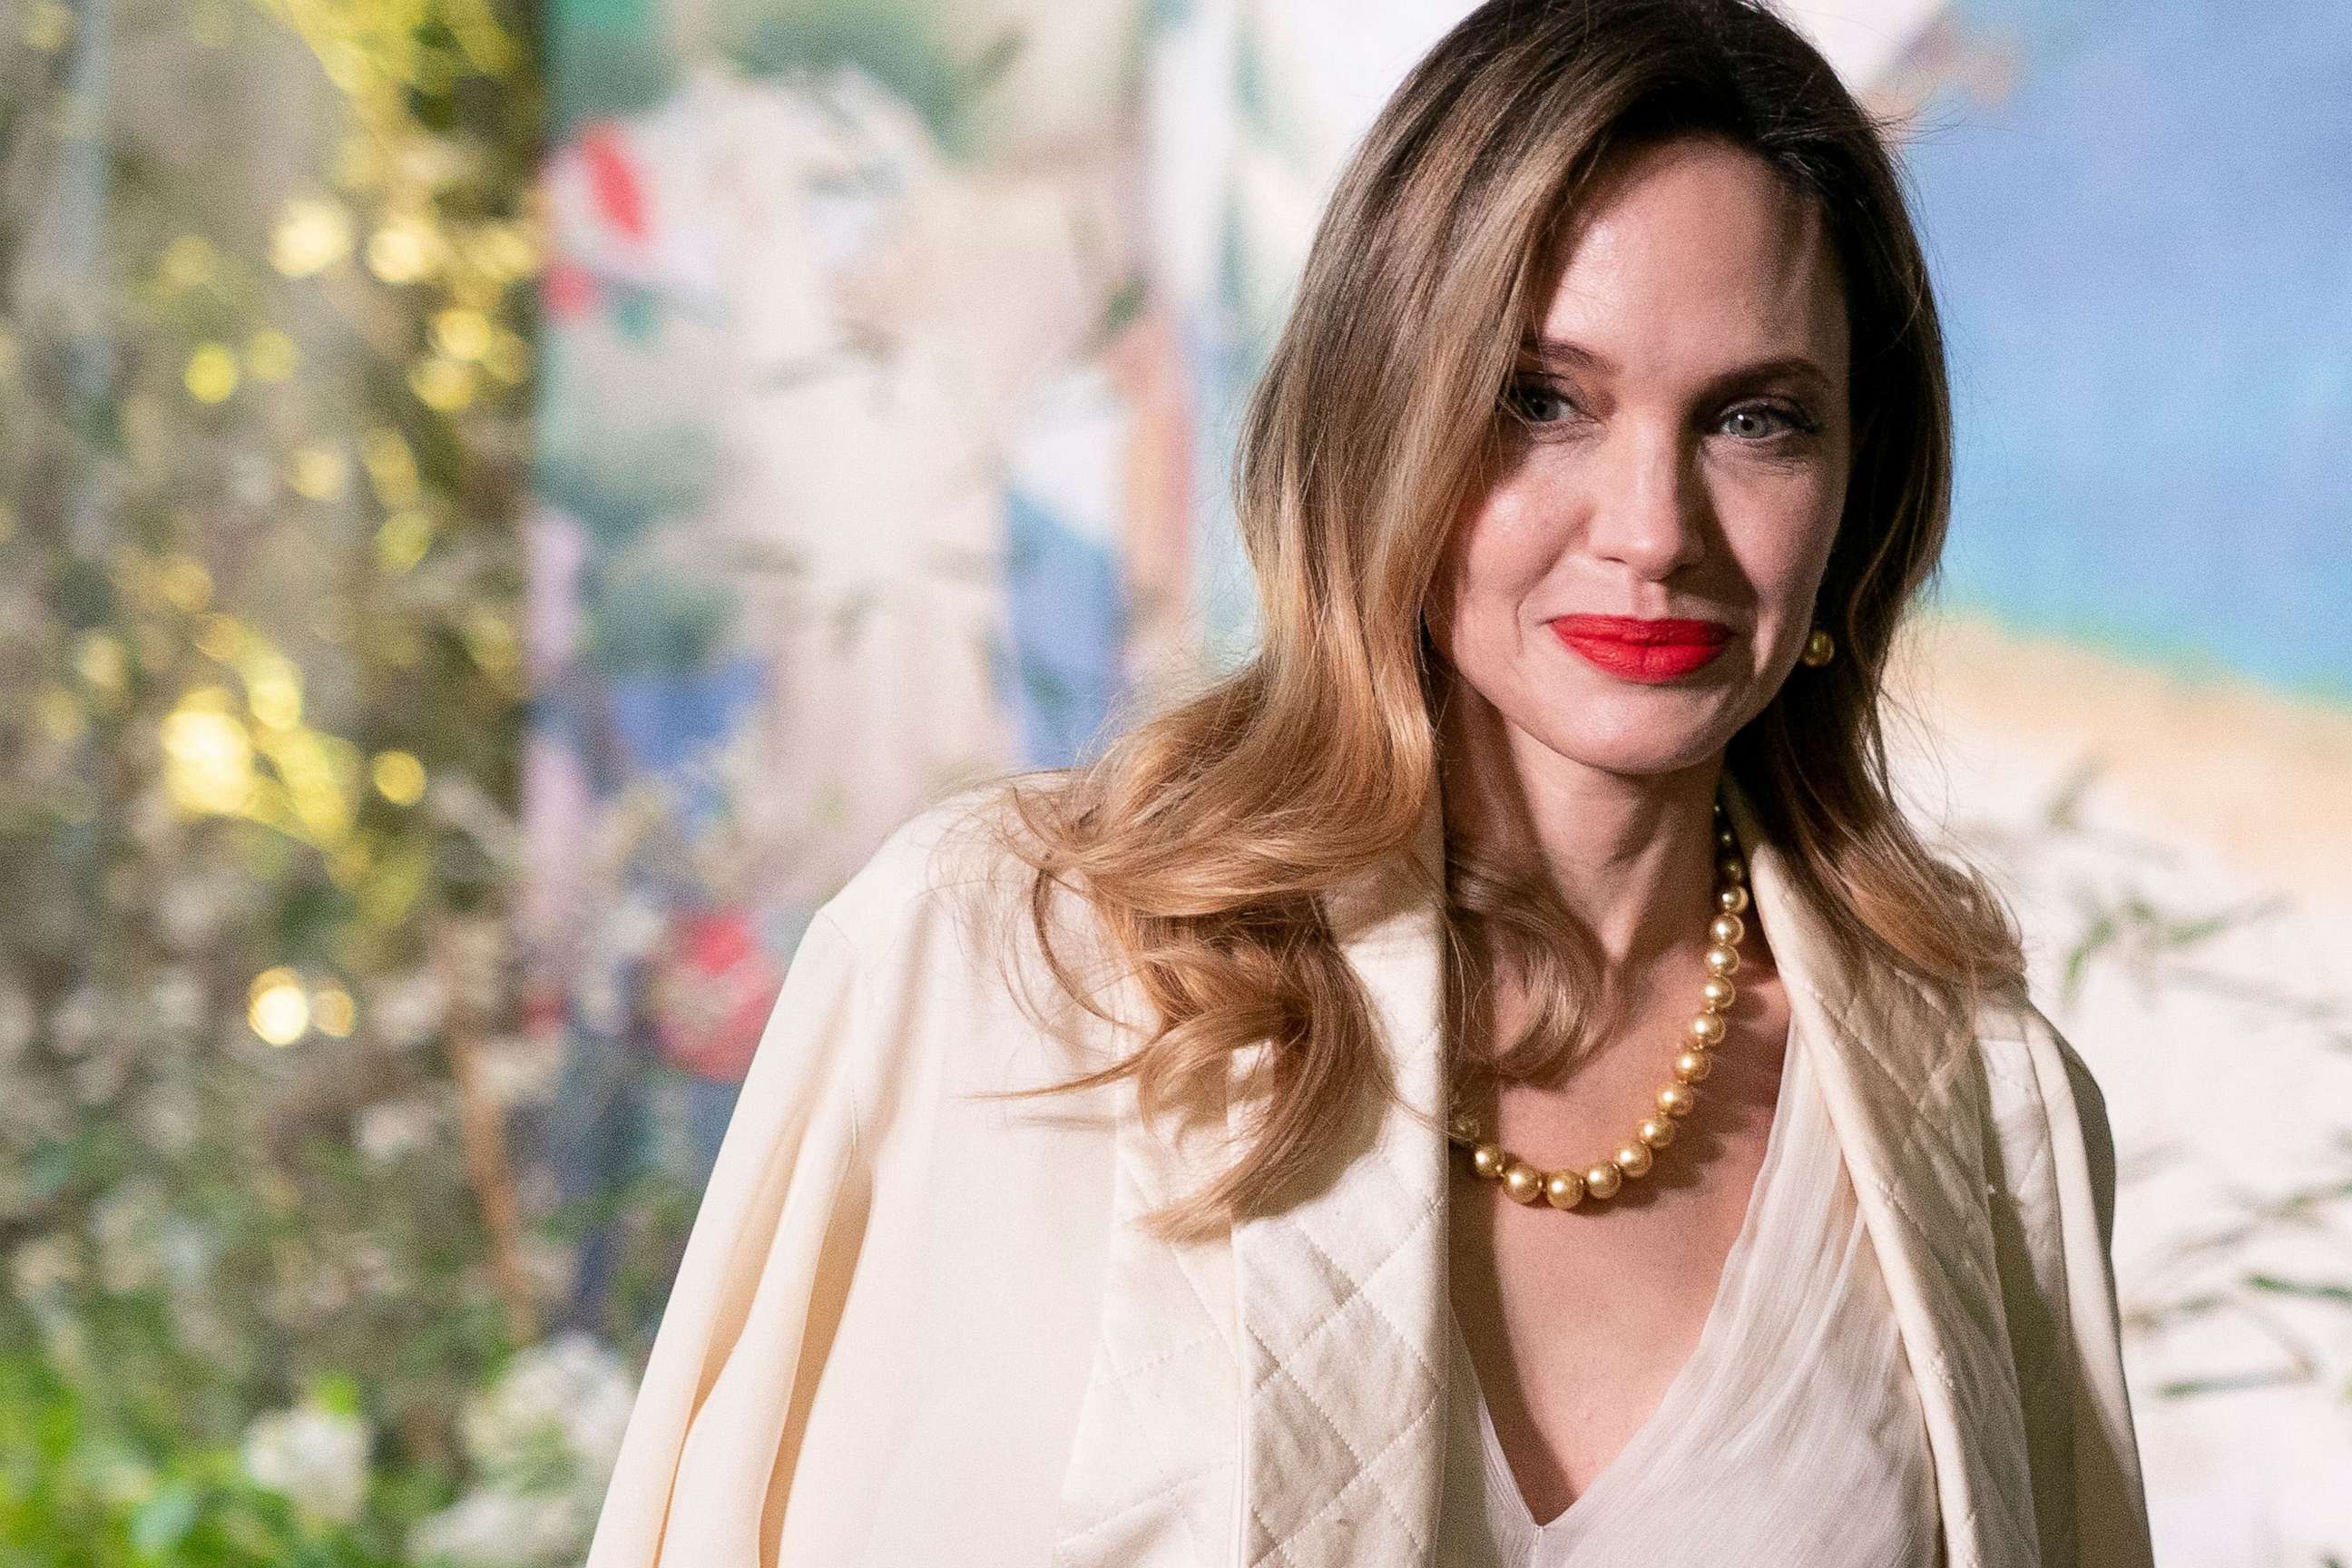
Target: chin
<point>1645,733</point>
<point>1636,755</point>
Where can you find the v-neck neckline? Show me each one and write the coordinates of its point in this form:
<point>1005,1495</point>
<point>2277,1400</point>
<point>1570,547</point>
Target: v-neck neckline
<point>1497,1465</point>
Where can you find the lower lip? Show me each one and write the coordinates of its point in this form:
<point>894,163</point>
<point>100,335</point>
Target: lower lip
<point>1630,660</point>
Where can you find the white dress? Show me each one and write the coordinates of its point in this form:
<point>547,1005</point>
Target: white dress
<point>1792,1435</point>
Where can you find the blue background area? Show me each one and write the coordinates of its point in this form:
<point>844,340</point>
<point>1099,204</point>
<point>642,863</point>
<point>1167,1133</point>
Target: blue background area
<point>2145,258</point>
<point>1067,619</point>
<point>671,726</point>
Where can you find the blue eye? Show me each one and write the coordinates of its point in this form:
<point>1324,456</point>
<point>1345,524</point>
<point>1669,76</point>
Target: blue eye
<point>1528,398</point>
<point>1791,422</point>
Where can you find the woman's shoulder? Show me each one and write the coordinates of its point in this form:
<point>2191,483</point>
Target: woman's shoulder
<point>952,889</point>
<point>952,856</point>
<point>940,854</point>
<point>2051,1187</point>
<point>2047,1103</point>
<point>2013,1033</point>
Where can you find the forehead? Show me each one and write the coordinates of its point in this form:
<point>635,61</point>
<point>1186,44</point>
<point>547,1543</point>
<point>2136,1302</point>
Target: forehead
<point>1694,252</point>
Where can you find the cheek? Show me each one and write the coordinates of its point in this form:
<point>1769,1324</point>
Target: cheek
<point>1496,586</point>
<point>1496,558</point>
<point>1782,536</point>
<point>1820,538</point>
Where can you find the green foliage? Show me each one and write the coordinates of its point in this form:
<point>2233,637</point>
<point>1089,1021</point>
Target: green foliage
<point>79,1489</point>
<point>262,428</point>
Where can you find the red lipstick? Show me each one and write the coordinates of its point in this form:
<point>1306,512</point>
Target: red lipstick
<point>1639,649</point>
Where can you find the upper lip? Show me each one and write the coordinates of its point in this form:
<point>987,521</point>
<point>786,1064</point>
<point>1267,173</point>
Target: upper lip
<point>1643,629</point>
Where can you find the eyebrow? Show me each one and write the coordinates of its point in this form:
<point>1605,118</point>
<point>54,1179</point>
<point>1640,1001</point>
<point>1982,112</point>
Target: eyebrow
<point>1564,351</point>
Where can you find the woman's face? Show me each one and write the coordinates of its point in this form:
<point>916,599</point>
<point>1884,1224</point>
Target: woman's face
<point>1678,444</point>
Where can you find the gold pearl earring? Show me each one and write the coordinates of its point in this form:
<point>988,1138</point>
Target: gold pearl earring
<point>1820,649</point>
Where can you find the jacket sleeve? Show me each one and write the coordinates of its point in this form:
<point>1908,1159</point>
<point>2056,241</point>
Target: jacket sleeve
<point>2110,1502</point>
<point>759,1292</point>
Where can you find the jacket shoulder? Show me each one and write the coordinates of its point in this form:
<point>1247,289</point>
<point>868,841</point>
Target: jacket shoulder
<point>2037,1076</point>
<point>2053,1206</point>
<point>945,903</point>
<point>958,861</point>
<point>946,850</point>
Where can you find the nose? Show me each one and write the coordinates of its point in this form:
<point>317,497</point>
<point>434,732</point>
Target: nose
<point>1649,509</point>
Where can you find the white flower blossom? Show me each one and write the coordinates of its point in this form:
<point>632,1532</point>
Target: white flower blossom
<point>379,1270</point>
<point>408,1008</point>
<point>545,1436</point>
<point>127,1226</point>
<point>189,911</point>
<point>202,1328</point>
<point>570,1394</point>
<point>66,1341</point>
<point>499,1529</point>
<point>548,1264</point>
<point>167,1115</point>
<point>77,1022</point>
<point>44,1266</point>
<point>178,999</point>
<point>153,818</point>
<point>185,1251</point>
<point>522,1070</point>
<point>393,1128</point>
<point>316,1457</point>
<point>566,1399</point>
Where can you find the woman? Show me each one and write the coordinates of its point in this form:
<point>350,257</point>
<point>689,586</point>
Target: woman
<point>1496,1080</point>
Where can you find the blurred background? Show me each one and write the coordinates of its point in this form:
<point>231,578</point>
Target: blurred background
<point>501,507</point>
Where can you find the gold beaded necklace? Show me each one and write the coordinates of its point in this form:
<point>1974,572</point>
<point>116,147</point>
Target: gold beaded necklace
<point>1566,1188</point>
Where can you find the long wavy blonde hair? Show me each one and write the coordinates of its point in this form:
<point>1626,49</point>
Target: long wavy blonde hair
<point>1201,836</point>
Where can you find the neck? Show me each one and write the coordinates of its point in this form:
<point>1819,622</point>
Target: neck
<point>1630,854</point>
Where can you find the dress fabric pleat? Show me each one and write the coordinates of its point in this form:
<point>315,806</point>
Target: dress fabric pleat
<point>1792,1435</point>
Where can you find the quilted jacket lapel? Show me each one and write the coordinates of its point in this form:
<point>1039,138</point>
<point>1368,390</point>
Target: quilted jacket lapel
<point>1276,1396</point>
<point>1152,1469</point>
<point>1906,1093</point>
<point>1341,1297</point>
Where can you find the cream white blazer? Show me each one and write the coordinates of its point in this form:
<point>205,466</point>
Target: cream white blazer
<point>914,1326</point>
